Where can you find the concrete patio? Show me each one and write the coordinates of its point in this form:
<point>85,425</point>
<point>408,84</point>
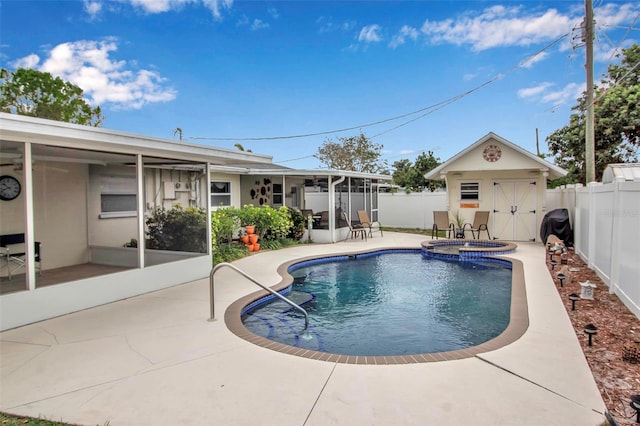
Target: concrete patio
<point>156,360</point>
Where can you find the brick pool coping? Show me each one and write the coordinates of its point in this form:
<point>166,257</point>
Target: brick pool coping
<point>518,324</point>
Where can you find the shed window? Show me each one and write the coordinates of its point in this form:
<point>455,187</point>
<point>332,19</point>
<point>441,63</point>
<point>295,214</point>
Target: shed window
<point>469,191</point>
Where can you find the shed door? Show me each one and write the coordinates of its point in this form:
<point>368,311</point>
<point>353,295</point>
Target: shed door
<point>514,210</point>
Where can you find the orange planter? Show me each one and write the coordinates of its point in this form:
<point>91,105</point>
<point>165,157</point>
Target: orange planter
<point>250,229</point>
<point>245,239</point>
<point>253,238</point>
<point>256,247</point>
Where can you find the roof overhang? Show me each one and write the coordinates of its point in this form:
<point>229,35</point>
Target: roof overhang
<point>553,171</point>
<point>307,173</point>
<point>17,128</point>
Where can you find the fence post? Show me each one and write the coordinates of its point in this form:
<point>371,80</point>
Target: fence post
<point>591,249</point>
<point>616,210</point>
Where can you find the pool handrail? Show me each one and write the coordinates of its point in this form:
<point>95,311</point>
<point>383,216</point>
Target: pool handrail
<point>253,280</point>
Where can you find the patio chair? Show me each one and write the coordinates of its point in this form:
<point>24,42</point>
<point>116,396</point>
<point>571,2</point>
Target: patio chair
<point>441,223</point>
<point>324,220</point>
<point>363,216</point>
<point>12,249</point>
<point>480,220</point>
<point>354,229</point>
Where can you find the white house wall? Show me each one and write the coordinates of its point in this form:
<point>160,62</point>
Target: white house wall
<point>236,187</point>
<point>256,183</point>
<point>60,220</point>
<point>114,231</point>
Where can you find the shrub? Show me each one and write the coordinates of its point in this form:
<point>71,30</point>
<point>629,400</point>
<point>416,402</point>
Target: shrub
<point>271,224</point>
<point>177,229</point>
<point>224,224</point>
<point>297,224</point>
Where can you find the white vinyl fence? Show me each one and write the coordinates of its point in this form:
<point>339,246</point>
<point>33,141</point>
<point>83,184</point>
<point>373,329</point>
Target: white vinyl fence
<point>605,219</point>
<point>606,227</point>
<point>414,210</point>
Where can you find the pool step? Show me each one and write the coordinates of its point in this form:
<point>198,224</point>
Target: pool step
<point>280,322</point>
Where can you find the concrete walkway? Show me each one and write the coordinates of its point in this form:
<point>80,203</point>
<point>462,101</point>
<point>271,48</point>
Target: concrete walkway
<point>156,360</point>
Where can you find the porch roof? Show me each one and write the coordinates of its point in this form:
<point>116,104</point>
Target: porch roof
<point>61,135</point>
<point>273,169</point>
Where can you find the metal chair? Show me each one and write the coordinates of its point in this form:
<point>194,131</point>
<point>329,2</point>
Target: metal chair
<point>441,223</point>
<point>480,221</point>
<point>16,256</point>
<point>355,229</point>
<point>363,216</point>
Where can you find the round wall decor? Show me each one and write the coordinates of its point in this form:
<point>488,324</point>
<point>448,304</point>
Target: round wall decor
<point>492,153</point>
<point>9,188</point>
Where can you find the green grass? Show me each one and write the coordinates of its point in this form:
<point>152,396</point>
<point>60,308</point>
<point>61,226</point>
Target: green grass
<point>11,420</point>
<point>426,232</point>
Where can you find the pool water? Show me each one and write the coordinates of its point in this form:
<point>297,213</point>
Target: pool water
<point>390,304</point>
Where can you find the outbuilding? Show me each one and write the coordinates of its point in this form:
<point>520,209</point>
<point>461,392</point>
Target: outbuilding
<point>496,175</point>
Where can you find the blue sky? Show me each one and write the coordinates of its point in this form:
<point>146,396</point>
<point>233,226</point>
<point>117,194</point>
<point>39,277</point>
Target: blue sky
<point>223,70</point>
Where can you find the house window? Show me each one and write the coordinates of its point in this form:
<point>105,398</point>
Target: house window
<point>469,191</point>
<point>277,193</point>
<point>117,196</point>
<point>220,193</point>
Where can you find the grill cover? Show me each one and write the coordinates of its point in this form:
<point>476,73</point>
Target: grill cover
<point>556,222</point>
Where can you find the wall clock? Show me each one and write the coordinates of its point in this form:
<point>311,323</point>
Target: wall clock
<point>9,188</point>
<point>492,153</point>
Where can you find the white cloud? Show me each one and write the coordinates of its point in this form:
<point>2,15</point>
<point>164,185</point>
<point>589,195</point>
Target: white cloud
<point>534,60</point>
<point>499,26</point>
<point>612,14</point>
<point>273,12</point>
<point>29,61</point>
<point>93,8</point>
<point>259,24</point>
<point>370,34</point>
<point>534,91</point>
<point>405,32</point>
<point>88,65</point>
<point>407,151</point>
<point>161,6</point>
<point>569,93</point>
<point>327,25</point>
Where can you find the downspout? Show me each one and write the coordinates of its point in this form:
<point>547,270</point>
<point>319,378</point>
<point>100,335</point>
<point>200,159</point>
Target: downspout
<point>332,206</point>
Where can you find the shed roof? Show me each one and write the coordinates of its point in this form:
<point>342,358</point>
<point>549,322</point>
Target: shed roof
<point>621,171</point>
<point>453,164</point>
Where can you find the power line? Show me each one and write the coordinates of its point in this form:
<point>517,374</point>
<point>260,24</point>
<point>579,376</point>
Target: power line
<point>434,107</point>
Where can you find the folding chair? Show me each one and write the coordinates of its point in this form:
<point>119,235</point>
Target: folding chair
<point>480,220</point>
<point>16,256</point>
<point>441,223</point>
<point>355,229</point>
<point>363,216</point>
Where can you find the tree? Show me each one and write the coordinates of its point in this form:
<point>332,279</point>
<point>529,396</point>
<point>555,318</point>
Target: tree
<point>355,153</point>
<point>617,122</point>
<point>411,176</point>
<point>39,94</point>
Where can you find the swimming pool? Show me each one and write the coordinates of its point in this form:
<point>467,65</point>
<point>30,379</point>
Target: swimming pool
<point>444,321</point>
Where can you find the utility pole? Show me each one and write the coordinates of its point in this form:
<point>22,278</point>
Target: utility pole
<point>589,146</point>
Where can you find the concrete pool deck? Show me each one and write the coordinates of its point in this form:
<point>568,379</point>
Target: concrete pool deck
<point>155,359</point>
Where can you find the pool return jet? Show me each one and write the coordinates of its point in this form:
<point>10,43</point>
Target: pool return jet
<point>305,334</point>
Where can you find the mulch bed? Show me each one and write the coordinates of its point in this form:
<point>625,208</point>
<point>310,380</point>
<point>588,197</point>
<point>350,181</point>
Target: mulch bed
<point>614,356</point>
